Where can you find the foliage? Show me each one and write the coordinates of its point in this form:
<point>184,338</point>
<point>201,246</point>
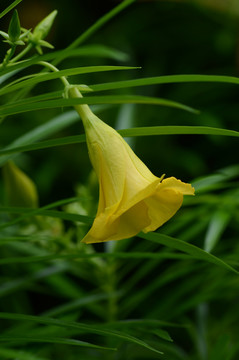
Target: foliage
<point>170,294</point>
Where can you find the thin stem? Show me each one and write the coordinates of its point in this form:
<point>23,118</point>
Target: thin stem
<point>83,109</point>
<point>111,288</point>
<point>53,68</point>
<point>22,53</point>
<point>9,55</point>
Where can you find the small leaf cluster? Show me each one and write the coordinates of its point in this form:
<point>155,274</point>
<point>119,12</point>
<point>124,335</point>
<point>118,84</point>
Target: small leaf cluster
<point>15,35</point>
<point>18,35</point>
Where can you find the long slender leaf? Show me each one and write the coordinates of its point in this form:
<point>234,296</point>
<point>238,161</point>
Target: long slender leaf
<point>55,214</point>
<point>187,248</point>
<point>140,131</point>
<point>221,176</point>
<point>76,325</point>
<point>51,127</point>
<point>178,130</point>
<point>77,139</point>
<point>25,212</point>
<point>56,75</point>
<point>20,339</point>
<point>109,99</point>
<point>95,51</point>
<point>9,8</point>
<point>34,99</point>
<point>167,79</point>
<point>217,225</point>
<point>88,50</point>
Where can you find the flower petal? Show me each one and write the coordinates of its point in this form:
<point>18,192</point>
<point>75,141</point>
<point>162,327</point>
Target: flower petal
<point>166,201</point>
<point>131,197</point>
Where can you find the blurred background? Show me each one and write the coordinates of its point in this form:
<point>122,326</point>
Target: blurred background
<point>164,38</point>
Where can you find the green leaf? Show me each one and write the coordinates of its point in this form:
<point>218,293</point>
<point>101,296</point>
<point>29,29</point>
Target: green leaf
<point>51,213</point>
<point>145,325</point>
<point>140,131</point>
<point>8,75</point>
<point>178,130</point>
<point>77,139</point>
<point>221,176</point>
<point>9,8</point>
<point>87,50</point>
<point>194,251</point>
<point>56,75</point>
<point>90,329</point>
<point>51,127</point>
<point>21,339</point>
<point>217,225</point>
<point>96,50</point>
<point>109,99</point>
<point>167,79</point>
<point>26,212</point>
<point>163,335</point>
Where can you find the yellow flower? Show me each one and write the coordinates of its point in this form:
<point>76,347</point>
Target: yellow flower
<point>131,198</point>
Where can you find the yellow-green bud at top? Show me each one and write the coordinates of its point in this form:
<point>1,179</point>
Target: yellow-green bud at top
<point>14,30</point>
<point>20,190</point>
<point>42,29</point>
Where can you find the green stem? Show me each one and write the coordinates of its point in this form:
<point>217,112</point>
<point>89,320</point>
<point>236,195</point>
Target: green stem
<point>22,53</point>
<point>9,55</point>
<point>53,68</point>
<point>83,110</point>
<point>111,288</point>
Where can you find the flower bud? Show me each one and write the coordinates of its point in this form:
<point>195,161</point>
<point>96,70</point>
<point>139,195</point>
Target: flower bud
<point>43,28</point>
<point>14,30</point>
<point>19,188</point>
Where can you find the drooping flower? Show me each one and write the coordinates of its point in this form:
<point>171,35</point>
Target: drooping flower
<point>131,198</point>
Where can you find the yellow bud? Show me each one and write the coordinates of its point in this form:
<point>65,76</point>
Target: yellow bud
<point>19,188</point>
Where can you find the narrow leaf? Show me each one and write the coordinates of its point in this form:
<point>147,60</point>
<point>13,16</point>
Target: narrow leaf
<point>187,248</point>
<point>109,99</point>
<point>140,131</point>
<point>53,126</point>
<point>52,340</point>
<point>87,50</point>
<point>167,79</point>
<point>216,227</point>
<point>9,8</point>
<point>56,75</point>
<point>26,212</point>
<point>76,325</point>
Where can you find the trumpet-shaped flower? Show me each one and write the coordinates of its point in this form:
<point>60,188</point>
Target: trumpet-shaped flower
<point>131,198</point>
